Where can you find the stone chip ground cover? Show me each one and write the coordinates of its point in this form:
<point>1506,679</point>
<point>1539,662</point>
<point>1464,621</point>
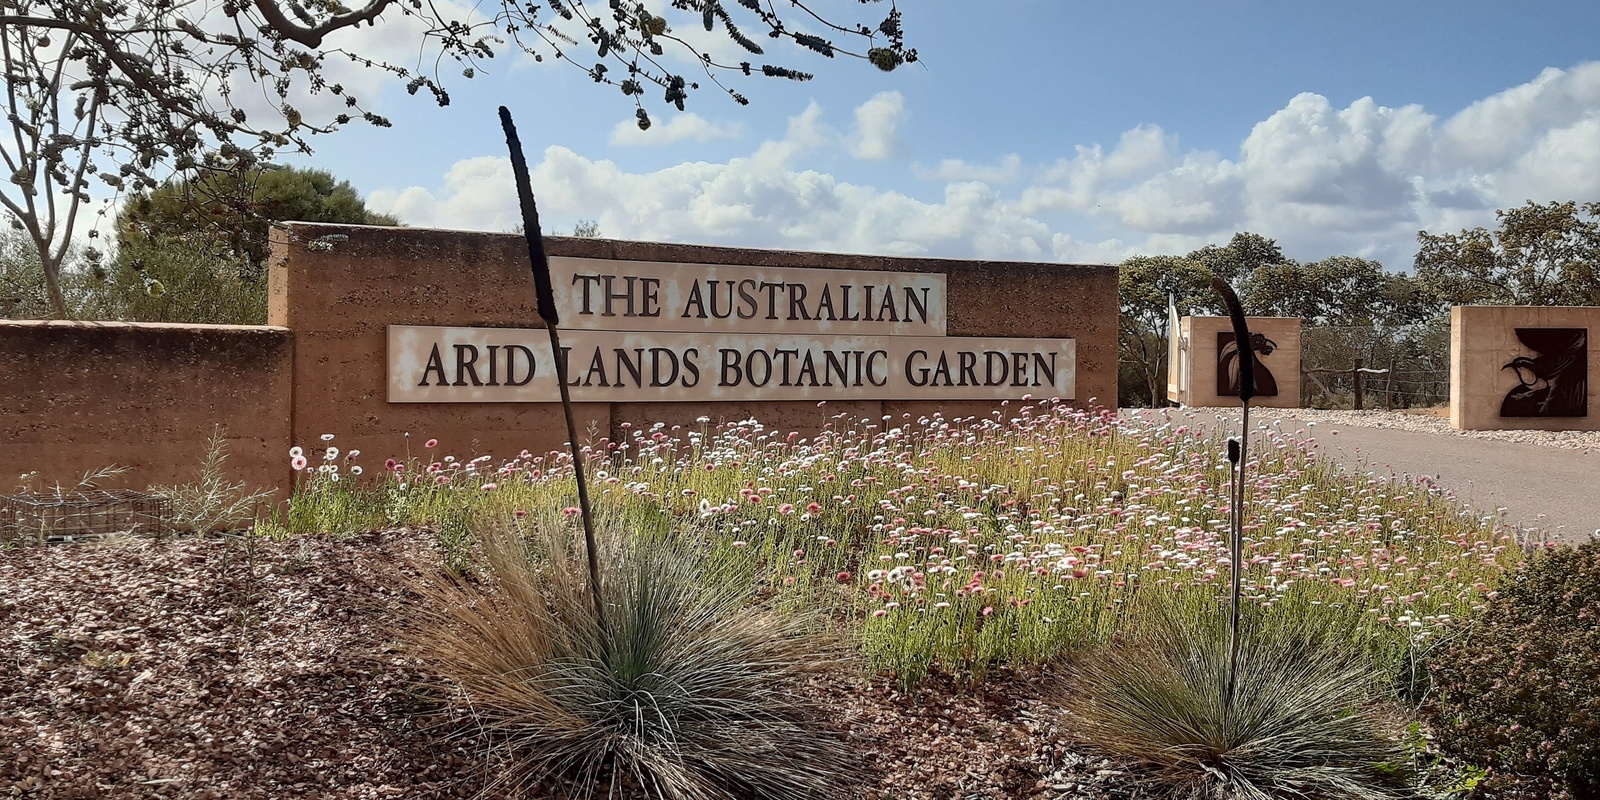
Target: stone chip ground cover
<point>141,669</point>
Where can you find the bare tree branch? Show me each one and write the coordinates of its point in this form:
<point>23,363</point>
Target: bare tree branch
<point>132,93</point>
<point>312,36</point>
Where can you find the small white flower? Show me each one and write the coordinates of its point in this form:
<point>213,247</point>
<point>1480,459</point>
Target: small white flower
<point>327,437</point>
<point>333,453</point>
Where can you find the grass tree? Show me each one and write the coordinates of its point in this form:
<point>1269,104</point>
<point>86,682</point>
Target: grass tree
<point>685,693</point>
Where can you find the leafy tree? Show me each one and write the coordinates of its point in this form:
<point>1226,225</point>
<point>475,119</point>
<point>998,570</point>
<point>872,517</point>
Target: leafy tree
<point>229,214</point>
<point>1541,254</point>
<point>123,91</point>
<point>1243,254</point>
<point>1144,283</point>
<point>178,281</point>
<point>1340,290</point>
<point>24,293</point>
<point>193,250</point>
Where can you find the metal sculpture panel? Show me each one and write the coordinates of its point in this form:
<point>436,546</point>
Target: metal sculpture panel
<point>1228,365</point>
<point>1554,382</point>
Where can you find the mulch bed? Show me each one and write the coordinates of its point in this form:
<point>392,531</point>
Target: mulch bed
<point>235,668</point>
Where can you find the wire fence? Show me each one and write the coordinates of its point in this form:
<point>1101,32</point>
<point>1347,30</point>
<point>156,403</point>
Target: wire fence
<point>1375,366</point>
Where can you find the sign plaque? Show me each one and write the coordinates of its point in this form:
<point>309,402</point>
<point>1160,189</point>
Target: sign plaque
<point>602,294</point>
<point>515,365</point>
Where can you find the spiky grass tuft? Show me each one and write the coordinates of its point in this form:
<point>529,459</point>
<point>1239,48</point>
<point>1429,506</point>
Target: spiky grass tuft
<point>688,696</point>
<point>1304,722</point>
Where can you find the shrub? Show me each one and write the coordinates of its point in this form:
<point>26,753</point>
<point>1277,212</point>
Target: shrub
<point>169,280</point>
<point>1518,690</point>
<point>212,502</point>
<point>687,693</point>
<point>1303,722</point>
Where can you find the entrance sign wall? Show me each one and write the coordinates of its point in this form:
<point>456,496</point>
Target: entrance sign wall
<point>1524,368</point>
<point>1207,366</point>
<point>794,340</point>
<point>393,326</point>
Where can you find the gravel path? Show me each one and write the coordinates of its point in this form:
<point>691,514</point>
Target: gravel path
<point>1424,422</point>
<point>1536,480</point>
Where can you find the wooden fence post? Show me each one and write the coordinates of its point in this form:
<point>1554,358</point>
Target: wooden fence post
<point>1359,375</point>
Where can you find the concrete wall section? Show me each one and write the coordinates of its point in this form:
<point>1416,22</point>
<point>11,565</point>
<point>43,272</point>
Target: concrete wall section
<point>339,287</point>
<point>81,396</point>
<point>1499,382</point>
<point>1199,361</point>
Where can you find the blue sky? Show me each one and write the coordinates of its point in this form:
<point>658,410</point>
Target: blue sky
<point>1039,130</point>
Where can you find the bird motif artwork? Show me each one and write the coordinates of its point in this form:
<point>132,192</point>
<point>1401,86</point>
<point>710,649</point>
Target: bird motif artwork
<point>1228,364</point>
<point>1555,381</point>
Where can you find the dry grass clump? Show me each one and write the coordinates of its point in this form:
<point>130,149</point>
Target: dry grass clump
<point>685,694</point>
<point>1303,723</point>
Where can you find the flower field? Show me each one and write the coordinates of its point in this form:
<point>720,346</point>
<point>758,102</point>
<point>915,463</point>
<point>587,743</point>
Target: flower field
<point>977,542</point>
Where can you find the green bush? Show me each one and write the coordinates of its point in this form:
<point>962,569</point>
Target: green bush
<point>1304,721</point>
<point>169,280</point>
<point>1518,691</point>
<point>685,694</point>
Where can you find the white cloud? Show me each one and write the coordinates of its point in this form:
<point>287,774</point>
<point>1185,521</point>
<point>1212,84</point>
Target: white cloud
<point>1007,170</point>
<point>1323,180</point>
<point>1360,179</point>
<point>762,200</point>
<point>480,194</point>
<point>683,126</point>
<point>877,132</point>
<point>1140,151</point>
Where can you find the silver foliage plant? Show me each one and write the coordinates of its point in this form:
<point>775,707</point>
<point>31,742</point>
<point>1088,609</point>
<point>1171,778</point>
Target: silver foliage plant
<point>686,693</point>
<point>1306,719</point>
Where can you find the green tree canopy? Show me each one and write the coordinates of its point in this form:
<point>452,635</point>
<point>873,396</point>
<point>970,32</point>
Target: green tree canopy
<point>1144,283</point>
<point>230,213</point>
<point>1339,290</point>
<point>1243,254</point>
<point>1541,254</point>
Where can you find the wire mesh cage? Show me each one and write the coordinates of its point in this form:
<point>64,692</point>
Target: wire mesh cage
<point>73,516</point>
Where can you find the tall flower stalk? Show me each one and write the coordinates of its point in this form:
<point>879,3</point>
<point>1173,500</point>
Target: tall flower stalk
<point>545,292</point>
<point>1247,386</point>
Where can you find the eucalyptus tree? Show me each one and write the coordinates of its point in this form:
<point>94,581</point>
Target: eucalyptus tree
<point>1540,254</point>
<point>119,95</point>
<point>1145,284</point>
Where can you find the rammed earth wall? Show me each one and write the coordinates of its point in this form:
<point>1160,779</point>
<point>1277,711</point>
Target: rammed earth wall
<point>80,396</point>
<point>77,397</point>
<point>1525,368</point>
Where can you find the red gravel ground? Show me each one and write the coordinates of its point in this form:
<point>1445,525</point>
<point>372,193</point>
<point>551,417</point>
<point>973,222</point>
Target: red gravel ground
<point>235,668</point>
